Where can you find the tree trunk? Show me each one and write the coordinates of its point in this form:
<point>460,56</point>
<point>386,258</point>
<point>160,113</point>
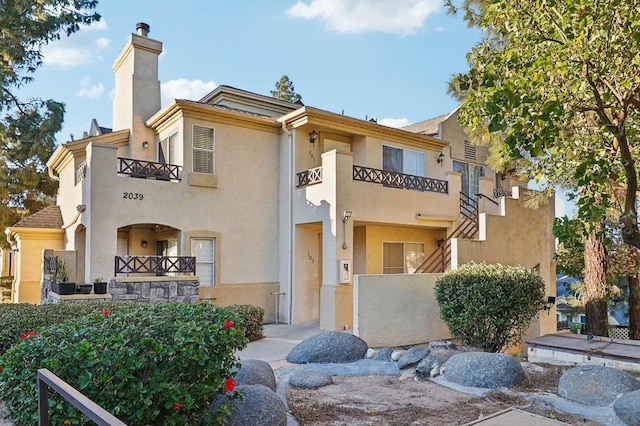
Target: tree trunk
<point>595,281</point>
<point>634,301</point>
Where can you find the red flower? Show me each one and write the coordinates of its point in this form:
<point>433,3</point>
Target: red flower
<point>227,323</point>
<point>229,385</point>
<point>106,312</point>
<point>177,406</point>
<point>28,333</point>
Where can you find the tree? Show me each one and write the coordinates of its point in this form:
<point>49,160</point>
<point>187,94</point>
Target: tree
<point>556,83</point>
<point>28,127</point>
<point>285,91</point>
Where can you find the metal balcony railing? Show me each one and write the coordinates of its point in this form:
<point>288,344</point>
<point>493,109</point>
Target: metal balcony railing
<point>81,173</point>
<point>400,180</point>
<point>148,169</point>
<point>310,177</point>
<point>159,265</point>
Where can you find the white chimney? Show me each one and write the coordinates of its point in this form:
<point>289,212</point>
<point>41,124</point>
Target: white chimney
<point>137,89</point>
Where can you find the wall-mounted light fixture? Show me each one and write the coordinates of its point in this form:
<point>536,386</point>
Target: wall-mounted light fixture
<point>144,243</point>
<point>440,241</point>
<point>503,176</point>
<point>551,300</point>
<point>145,144</point>
<point>440,158</point>
<point>345,216</point>
<point>313,136</point>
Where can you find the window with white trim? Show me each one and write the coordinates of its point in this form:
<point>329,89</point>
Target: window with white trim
<point>471,174</point>
<point>204,250</point>
<point>402,258</point>
<point>203,150</point>
<point>402,161</point>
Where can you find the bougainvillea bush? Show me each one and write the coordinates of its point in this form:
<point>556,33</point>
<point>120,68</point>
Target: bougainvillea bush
<point>146,364</point>
<point>489,305</point>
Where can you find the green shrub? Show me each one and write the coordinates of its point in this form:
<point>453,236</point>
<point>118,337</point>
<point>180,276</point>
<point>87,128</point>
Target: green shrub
<point>489,306</point>
<point>252,320</point>
<point>146,364</point>
<point>17,319</point>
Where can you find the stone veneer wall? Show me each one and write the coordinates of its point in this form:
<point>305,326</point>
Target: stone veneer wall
<point>154,289</point>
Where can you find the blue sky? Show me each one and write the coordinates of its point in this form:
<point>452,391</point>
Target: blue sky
<point>369,58</point>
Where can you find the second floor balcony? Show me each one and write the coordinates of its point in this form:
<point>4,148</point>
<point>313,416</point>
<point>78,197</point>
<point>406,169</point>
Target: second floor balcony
<point>149,169</point>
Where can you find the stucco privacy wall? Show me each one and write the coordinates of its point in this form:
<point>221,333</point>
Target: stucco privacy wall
<point>521,236</point>
<point>397,310</point>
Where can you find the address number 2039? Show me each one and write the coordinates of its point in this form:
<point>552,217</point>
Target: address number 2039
<point>133,196</point>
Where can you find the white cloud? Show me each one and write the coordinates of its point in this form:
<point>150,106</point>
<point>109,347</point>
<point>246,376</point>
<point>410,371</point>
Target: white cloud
<point>404,17</point>
<point>440,29</point>
<point>80,48</point>
<point>394,122</point>
<point>182,88</point>
<point>89,90</point>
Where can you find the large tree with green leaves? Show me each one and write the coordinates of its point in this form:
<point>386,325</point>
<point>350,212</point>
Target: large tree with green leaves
<point>285,91</point>
<point>28,126</point>
<point>556,83</point>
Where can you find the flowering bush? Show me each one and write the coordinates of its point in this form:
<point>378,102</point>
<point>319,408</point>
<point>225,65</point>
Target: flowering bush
<point>489,305</point>
<point>146,364</point>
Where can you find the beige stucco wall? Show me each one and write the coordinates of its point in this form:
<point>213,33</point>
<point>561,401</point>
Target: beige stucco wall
<point>397,310</point>
<point>30,244</point>
<point>308,273</point>
<point>522,236</point>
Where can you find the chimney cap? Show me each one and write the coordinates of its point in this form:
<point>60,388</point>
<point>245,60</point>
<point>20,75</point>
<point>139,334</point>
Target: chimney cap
<point>142,29</point>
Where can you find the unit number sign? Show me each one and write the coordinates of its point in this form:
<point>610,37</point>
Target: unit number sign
<point>133,196</point>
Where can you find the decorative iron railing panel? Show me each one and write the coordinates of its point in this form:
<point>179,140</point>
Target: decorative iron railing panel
<point>81,173</point>
<point>400,180</point>
<point>497,193</point>
<point>159,265</point>
<point>310,177</point>
<point>148,169</point>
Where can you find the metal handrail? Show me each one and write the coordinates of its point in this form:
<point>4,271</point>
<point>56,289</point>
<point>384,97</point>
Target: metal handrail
<point>487,198</point>
<point>46,379</point>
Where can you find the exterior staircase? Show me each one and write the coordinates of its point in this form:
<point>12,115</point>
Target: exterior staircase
<point>440,259</point>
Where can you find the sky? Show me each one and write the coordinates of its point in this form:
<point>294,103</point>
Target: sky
<point>384,59</point>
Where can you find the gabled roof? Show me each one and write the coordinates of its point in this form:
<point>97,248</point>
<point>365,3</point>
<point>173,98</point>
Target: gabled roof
<point>426,127</point>
<point>49,217</point>
<point>241,99</point>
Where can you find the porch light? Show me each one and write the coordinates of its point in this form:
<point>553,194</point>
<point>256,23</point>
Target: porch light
<point>551,300</point>
<point>440,158</point>
<point>346,215</point>
<point>313,136</point>
<point>144,243</point>
<point>145,144</point>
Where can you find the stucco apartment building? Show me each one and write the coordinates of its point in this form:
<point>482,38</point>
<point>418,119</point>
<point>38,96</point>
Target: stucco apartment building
<point>279,203</point>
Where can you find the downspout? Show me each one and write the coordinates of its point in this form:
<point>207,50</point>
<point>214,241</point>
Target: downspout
<point>290,230</point>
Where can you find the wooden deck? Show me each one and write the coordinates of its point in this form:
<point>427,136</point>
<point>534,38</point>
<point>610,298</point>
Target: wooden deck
<point>568,348</point>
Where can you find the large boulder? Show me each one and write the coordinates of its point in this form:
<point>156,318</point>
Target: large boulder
<point>260,406</point>
<point>256,372</point>
<point>330,346</point>
<point>627,407</point>
<point>595,384</point>
<point>484,370</point>
<point>310,379</point>
<point>412,356</point>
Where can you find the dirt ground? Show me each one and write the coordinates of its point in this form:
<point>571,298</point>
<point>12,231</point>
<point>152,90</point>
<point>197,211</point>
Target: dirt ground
<point>386,400</point>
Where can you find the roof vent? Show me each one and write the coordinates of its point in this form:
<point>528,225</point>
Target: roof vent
<point>142,29</point>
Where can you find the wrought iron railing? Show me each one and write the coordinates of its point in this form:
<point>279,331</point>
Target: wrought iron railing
<point>148,169</point>
<point>498,193</point>
<point>310,177</point>
<point>400,180</point>
<point>439,260</point>
<point>159,265</point>
<point>46,380</point>
<point>81,173</point>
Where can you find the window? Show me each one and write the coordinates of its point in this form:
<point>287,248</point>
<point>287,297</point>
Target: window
<point>204,251</point>
<point>203,150</point>
<point>471,174</point>
<point>168,150</point>
<point>402,258</point>
<point>402,161</point>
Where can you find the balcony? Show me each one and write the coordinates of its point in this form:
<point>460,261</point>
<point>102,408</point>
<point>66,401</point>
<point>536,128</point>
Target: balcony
<point>159,265</point>
<point>149,170</point>
<point>400,180</point>
<point>310,177</point>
